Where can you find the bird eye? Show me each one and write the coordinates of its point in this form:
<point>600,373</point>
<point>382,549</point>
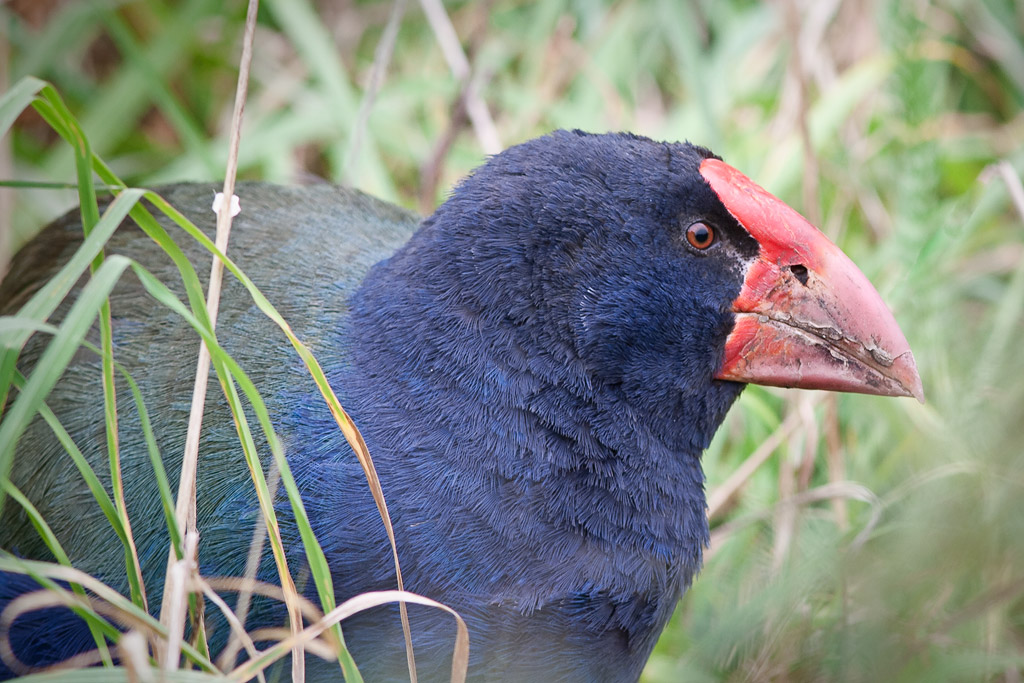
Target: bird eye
<point>700,235</point>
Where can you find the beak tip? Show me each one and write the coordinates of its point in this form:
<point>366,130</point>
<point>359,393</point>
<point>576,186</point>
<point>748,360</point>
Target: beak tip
<point>908,376</point>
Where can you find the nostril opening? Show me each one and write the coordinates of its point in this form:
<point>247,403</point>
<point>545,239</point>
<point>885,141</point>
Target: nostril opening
<point>800,273</point>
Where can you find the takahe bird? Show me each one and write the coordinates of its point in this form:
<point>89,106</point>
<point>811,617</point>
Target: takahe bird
<point>536,369</point>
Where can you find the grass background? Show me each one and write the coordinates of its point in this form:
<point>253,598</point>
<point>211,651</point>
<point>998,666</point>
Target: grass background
<point>880,539</point>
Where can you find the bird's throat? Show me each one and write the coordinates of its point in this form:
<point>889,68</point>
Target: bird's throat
<point>505,426</point>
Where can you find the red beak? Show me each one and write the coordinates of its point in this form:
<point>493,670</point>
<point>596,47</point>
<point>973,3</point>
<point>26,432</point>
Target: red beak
<point>806,316</point>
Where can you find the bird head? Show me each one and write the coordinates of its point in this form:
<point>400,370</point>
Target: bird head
<point>669,271</point>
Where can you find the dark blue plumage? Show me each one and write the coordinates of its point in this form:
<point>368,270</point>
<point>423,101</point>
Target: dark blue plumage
<point>532,371</point>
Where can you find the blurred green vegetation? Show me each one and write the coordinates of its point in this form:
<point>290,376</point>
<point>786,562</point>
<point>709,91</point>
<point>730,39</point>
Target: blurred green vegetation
<point>883,540</point>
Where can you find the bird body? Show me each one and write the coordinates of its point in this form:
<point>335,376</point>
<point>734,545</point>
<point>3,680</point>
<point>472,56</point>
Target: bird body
<point>536,370</point>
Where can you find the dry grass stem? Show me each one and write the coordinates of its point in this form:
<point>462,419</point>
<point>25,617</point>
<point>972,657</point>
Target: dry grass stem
<point>842,490</point>
<point>236,624</point>
<point>476,109</point>
<point>799,74</point>
<point>237,584</point>
<point>252,565</point>
<point>721,499</point>
<point>381,59</point>
<point>785,517</point>
<point>834,458</point>
<point>176,591</point>
<point>48,598</point>
<point>352,606</point>
<point>1013,185</point>
<point>134,656</point>
<point>807,456</point>
<point>185,506</point>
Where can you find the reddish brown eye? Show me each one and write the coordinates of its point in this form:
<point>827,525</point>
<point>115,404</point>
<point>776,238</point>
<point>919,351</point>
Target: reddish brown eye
<point>700,235</point>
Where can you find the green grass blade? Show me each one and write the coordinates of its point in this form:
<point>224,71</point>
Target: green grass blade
<point>45,301</point>
<point>55,359</point>
<point>163,484</point>
<point>67,126</point>
<point>89,209</point>
<point>227,367</point>
<point>81,463</point>
<point>17,100</point>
